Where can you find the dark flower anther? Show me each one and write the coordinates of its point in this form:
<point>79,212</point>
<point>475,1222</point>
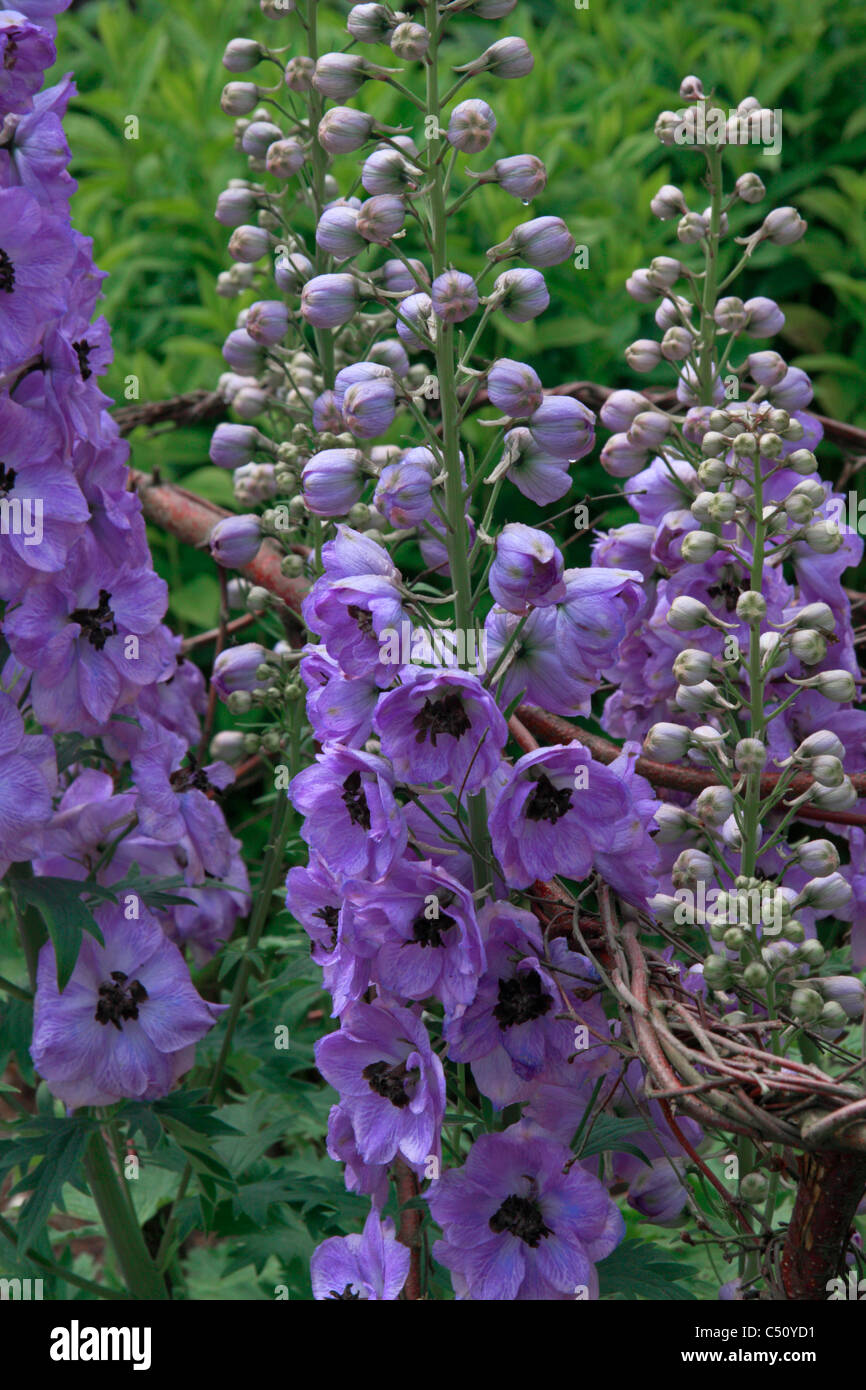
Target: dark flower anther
<point>347,1294</point>
<point>97,624</point>
<point>428,931</point>
<point>521,999</point>
<point>521,1217</point>
<point>363,618</point>
<point>388,1082</point>
<point>355,801</point>
<point>7,273</point>
<point>548,802</point>
<point>7,479</point>
<point>445,716</point>
<point>82,351</point>
<point>119,999</point>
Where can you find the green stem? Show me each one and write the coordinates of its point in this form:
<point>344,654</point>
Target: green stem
<point>138,1270</point>
<point>458,533</point>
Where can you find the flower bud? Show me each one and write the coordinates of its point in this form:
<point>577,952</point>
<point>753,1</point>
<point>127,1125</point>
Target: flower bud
<point>370,23</point>
<point>667,742</point>
<point>239,98</point>
<point>471,126</point>
<point>827,770</point>
<point>766,368</point>
<point>522,175</point>
<point>622,408</point>
<point>698,546</point>
<point>648,429</point>
<point>802,461</point>
<point>825,894</point>
<point>381,217</point>
<point>686,614</point>
<point>676,344</point>
<point>840,798</point>
<point>343,129</point>
<point>724,507</point>
<point>412,325</point>
<point>232,446</point>
<point>846,992</point>
<point>235,541</point>
<point>521,295</point>
<point>509,57</point>
<point>730,314</point>
<point>332,481</point>
<point>715,805</point>
<point>672,824</point>
<point>755,975</point>
<point>834,685</point>
<point>454,296</point>
<point>514,388</point>
<point>799,508</point>
<point>691,867</point>
<point>292,272</point>
<point>249,244</point>
<point>717,972</point>
<point>242,353</point>
<point>750,188</point>
<point>713,443</point>
<point>542,242</point>
<point>643,355</point>
<point>267,321</point>
<point>817,615</point>
<point>299,74</point>
<point>783,226</point>
<point>823,741</point>
<point>691,228</point>
<point>818,857</point>
<point>668,202</point>
<point>341,75</point>
<point>329,301</point>
<point>824,537</point>
<point>808,646</point>
<point>410,41</point>
<point>750,755</point>
<point>712,472</point>
<point>639,286</point>
<point>695,699</point>
<point>753,1187</point>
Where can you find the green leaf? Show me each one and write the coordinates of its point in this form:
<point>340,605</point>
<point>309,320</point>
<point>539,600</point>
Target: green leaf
<point>638,1269</point>
<point>59,903</point>
<point>59,1165</point>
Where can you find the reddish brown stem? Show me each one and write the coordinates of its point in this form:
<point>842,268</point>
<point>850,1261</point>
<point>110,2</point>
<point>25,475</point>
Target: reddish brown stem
<point>829,1191</point>
<point>410,1226</point>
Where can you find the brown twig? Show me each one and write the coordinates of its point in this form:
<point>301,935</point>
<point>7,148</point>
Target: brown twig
<point>410,1226</point>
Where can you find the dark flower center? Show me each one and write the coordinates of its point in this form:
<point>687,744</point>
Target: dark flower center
<point>728,589</point>
<point>7,273</point>
<point>7,479</point>
<point>521,999</point>
<point>348,1293</point>
<point>388,1082</point>
<point>522,1218</point>
<point>97,624</point>
<point>82,351</point>
<point>547,801</point>
<point>445,716</point>
<point>428,932</point>
<point>355,801</point>
<point>362,617</point>
<point>191,776</point>
<point>331,917</point>
<point>119,999</point>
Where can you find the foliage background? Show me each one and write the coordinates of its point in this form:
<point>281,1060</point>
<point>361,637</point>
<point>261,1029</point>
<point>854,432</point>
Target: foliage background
<point>601,75</point>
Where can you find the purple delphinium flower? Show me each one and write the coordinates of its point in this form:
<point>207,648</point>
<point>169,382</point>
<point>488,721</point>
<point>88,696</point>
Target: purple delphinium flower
<point>419,927</point>
<point>369,1266</point>
<point>595,613</point>
<point>368,408</point>
<point>315,896</point>
<point>535,671</point>
<point>340,708</point>
<point>26,50</point>
<point>42,497</point>
<point>511,1030</point>
<point>522,1222</point>
<point>173,801</point>
<point>127,1022</point>
<point>236,667</point>
<point>558,809</point>
<point>527,569</point>
<point>538,475</point>
<point>351,816</point>
<point>28,777</point>
<point>390,1081</point>
<point>37,155</point>
<point>91,640</point>
<point>354,602</point>
<point>35,255</point>
<point>441,726</point>
<point>369,1179</point>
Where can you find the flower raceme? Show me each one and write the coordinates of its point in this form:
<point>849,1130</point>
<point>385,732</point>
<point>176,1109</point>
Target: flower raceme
<point>87,654</point>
